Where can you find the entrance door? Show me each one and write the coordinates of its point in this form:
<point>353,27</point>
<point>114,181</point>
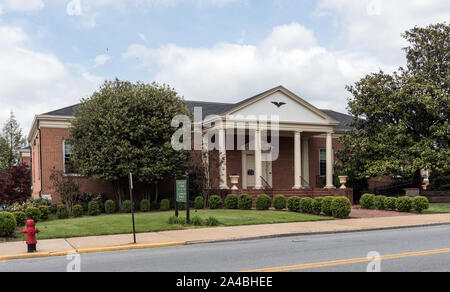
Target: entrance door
<point>250,171</point>
<point>267,172</point>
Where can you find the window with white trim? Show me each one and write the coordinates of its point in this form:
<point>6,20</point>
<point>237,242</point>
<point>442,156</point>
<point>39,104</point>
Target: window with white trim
<point>67,155</point>
<point>322,162</point>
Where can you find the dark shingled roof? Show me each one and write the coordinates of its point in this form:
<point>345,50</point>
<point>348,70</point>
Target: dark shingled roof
<point>214,108</point>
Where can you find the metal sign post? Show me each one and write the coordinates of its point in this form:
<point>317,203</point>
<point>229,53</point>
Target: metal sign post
<point>182,195</point>
<point>132,205</point>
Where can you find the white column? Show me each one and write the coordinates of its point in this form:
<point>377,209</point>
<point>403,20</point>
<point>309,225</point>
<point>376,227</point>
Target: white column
<point>330,156</point>
<point>258,160</point>
<point>205,160</point>
<point>305,159</point>
<point>298,160</point>
<point>223,160</point>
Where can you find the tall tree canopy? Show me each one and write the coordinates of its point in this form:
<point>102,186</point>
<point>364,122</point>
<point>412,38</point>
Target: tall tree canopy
<point>126,127</point>
<point>401,119</point>
<point>11,140</point>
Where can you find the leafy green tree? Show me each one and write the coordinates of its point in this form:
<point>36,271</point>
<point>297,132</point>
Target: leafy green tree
<point>126,128</point>
<point>11,140</point>
<point>401,119</point>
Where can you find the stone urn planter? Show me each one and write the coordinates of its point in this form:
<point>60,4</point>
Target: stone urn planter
<point>234,182</point>
<point>343,181</point>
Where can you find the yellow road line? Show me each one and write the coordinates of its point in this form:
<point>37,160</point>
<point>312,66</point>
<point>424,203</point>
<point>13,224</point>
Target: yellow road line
<point>350,261</point>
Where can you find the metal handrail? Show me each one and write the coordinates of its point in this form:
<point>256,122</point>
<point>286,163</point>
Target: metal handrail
<point>267,187</point>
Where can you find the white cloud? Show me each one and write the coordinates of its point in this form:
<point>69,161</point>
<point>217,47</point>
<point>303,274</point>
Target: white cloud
<point>101,60</point>
<point>288,56</point>
<point>21,5</point>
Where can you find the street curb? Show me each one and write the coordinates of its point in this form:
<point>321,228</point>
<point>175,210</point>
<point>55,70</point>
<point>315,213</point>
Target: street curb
<point>272,236</point>
<point>91,250</point>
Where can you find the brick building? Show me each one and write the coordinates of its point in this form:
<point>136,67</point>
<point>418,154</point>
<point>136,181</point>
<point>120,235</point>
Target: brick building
<point>304,164</point>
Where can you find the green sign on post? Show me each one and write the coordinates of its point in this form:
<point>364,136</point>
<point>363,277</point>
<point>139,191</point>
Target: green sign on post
<point>181,190</point>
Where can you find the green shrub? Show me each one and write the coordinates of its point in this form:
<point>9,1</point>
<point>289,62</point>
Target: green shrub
<point>263,202</point>
<point>420,203</point>
<point>137,206</point>
<point>33,213</point>
<point>231,201</point>
<point>390,203</point>
<point>367,201</point>
<point>317,206</point>
<point>8,224</point>
<point>145,206</point>
<point>306,205</point>
<point>199,203</point>
<point>181,206</point>
<point>245,202</point>
<point>154,206</point>
<point>326,206</point>
<point>215,202</point>
<point>126,206</point>
<point>21,218</point>
<point>212,221</point>
<point>165,205</point>
<point>94,208</point>
<point>293,204</point>
<point>196,221</point>
<point>77,211</point>
<point>341,207</point>
<point>404,204</point>
<point>174,220</point>
<point>62,212</point>
<point>45,212</point>
<point>379,202</point>
<point>110,207</point>
<point>279,202</point>
<point>53,209</point>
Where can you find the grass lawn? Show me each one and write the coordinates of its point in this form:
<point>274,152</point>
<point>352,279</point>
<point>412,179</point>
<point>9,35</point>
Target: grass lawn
<point>158,221</point>
<point>437,208</point>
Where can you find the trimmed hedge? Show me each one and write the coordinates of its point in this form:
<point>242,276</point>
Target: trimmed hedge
<point>8,224</point>
<point>199,203</point>
<point>317,206</point>
<point>279,202</point>
<point>21,218</point>
<point>33,213</point>
<point>165,205</point>
<point>62,212</point>
<point>306,205</point>
<point>45,212</point>
<point>404,204</point>
<point>420,204</point>
<point>390,203</point>
<point>215,202</point>
<point>110,207</point>
<point>263,202</point>
<point>379,202</point>
<point>367,201</point>
<point>245,202</point>
<point>94,208</point>
<point>326,206</point>
<point>126,206</point>
<point>145,206</point>
<point>77,211</point>
<point>341,207</point>
<point>231,201</point>
<point>293,204</point>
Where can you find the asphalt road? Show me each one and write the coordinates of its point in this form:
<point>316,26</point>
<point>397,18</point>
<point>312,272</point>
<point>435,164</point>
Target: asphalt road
<point>416,249</point>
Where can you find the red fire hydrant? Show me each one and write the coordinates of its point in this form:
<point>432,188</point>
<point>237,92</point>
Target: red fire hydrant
<point>31,235</point>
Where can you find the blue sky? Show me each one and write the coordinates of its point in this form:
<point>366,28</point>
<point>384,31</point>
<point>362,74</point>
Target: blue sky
<point>54,52</point>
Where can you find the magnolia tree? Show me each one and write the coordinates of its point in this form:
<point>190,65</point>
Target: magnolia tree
<point>401,119</point>
<point>126,128</point>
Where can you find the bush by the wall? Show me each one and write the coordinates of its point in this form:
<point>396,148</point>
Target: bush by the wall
<point>367,201</point>
<point>62,212</point>
<point>126,206</point>
<point>404,204</point>
<point>379,202</point>
<point>215,202</point>
<point>245,202</point>
<point>77,211</point>
<point>33,213</point>
<point>420,204</point>
<point>317,206</point>
<point>137,206</point>
<point>45,212</point>
<point>53,209</point>
<point>212,221</point>
<point>306,205</point>
<point>155,205</point>
<point>8,224</point>
<point>341,207</point>
<point>196,221</point>
<point>263,202</point>
<point>110,207</point>
<point>21,218</point>
<point>145,206</point>
<point>293,204</point>
<point>279,202</point>
<point>94,208</point>
<point>165,205</point>
<point>231,201</point>
<point>199,203</point>
<point>390,203</point>
<point>326,206</point>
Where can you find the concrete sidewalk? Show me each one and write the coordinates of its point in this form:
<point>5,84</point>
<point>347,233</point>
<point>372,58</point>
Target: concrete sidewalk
<point>58,247</point>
